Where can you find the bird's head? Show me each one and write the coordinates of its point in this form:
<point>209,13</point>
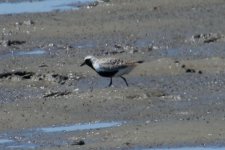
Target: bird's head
<point>88,60</point>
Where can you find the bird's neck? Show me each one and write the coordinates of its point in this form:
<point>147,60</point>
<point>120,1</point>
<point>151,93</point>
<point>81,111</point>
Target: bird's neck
<point>90,64</point>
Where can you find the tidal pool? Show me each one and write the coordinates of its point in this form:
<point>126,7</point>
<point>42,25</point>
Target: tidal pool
<point>41,6</point>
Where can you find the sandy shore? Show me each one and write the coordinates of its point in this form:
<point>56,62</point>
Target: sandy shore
<point>176,98</point>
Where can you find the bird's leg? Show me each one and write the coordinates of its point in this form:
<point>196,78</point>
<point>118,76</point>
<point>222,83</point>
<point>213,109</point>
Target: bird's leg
<point>110,83</point>
<point>124,79</point>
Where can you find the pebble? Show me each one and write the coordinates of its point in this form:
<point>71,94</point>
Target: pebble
<point>79,142</point>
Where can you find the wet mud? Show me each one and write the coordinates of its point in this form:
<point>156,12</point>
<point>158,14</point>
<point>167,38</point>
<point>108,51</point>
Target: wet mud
<point>175,99</point>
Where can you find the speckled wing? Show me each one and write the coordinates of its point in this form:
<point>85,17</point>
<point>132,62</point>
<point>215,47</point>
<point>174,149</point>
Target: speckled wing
<point>112,64</point>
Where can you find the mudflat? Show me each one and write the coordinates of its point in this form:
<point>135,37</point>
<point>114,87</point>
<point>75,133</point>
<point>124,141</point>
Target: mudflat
<point>175,98</point>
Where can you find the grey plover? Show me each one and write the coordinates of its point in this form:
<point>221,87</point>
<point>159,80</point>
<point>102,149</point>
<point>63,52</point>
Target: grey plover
<point>110,67</point>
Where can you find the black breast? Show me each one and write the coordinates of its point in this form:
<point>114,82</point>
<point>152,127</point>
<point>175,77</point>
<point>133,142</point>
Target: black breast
<point>107,73</point>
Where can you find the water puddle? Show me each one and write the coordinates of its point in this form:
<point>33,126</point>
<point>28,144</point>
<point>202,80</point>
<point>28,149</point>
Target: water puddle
<point>188,148</point>
<point>78,127</point>
<point>143,43</point>
<point>202,51</point>
<point>22,146</point>
<point>48,136</point>
<point>4,141</point>
<point>41,6</point>
<point>33,52</point>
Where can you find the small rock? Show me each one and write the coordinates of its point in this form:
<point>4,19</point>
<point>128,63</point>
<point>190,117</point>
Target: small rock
<point>80,142</point>
<point>43,65</point>
<point>14,42</point>
<point>190,70</point>
<point>133,51</point>
<point>51,44</point>
<point>155,8</point>
<point>118,46</point>
<point>128,143</point>
<point>93,4</point>
<point>20,74</point>
<point>207,37</point>
<point>176,62</point>
<point>57,94</point>
<point>183,66</point>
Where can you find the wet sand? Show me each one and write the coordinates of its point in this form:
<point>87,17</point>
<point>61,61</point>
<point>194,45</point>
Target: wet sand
<point>176,98</point>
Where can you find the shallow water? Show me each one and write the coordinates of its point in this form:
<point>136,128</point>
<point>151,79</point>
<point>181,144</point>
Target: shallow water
<point>22,146</point>
<point>40,6</point>
<point>3,141</point>
<point>33,52</point>
<point>34,138</point>
<point>77,127</point>
<point>188,148</point>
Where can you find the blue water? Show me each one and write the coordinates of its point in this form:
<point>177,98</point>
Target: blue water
<point>40,6</point>
<point>24,137</point>
<point>78,127</point>
<point>22,146</point>
<point>33,52</point>
<point>3,141</point>
<point>188,148</point>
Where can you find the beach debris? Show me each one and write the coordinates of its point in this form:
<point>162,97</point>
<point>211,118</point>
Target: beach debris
<point>21,74</point>
<point>207,37</point>
<point>15,42</point>
<point>152,47</point>
<point>199,72</point>
<point>56,93</point>
<point>106,1</point>
<point>93,4</point>
<point>43,65</point>
<point>118,46</point>
<point>190,70</point>
<point>83,5</point>
<point>79,142</point>
<point>52,77</point>
<point>7,43</point>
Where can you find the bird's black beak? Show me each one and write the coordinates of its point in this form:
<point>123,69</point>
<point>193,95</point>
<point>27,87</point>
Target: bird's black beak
<point>82,64</point>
